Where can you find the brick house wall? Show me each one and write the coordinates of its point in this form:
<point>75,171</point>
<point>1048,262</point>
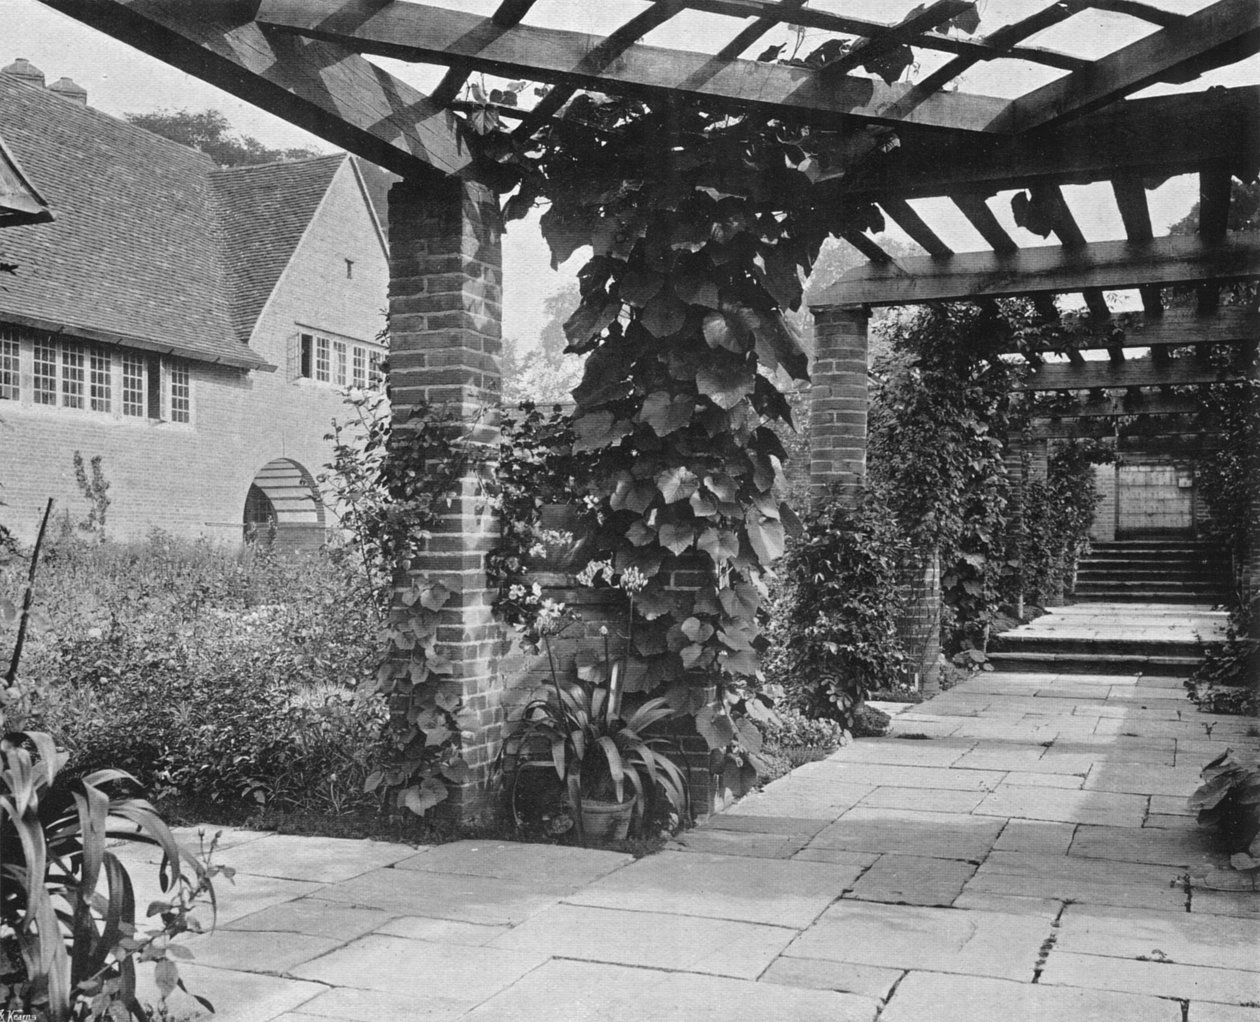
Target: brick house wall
<point>191,479</point>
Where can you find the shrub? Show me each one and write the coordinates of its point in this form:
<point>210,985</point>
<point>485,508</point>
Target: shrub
<point>1228,801</point>
<point>1228,679</point>
<point>211,676</point>
<point>832,626</point>
<point>792,729</point>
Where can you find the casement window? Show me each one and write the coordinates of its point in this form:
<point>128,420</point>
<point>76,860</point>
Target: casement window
<point>100,379</point>
<point>44,375</point>
<point>38,370</point>
<point>181,393</point>
<point>338,362</point>
<point>133,387</point>
<point>10,366</point>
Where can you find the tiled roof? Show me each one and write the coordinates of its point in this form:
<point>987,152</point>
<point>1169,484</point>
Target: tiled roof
<point>263,213</point>
<point>153,245</point>
<point>20,203</point>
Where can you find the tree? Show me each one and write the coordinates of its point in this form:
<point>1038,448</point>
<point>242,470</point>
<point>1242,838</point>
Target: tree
<point>1244,210</point>
<point>545,374</point>
<point>209,132</point>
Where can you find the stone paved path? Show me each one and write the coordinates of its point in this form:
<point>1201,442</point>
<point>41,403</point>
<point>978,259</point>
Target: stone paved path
<point>1017,849</point>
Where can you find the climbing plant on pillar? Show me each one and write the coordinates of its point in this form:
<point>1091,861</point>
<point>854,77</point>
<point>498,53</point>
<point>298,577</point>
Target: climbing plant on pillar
<point>700,227</point>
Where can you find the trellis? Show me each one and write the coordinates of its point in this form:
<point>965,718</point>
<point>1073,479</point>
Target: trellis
<point>306,60</point>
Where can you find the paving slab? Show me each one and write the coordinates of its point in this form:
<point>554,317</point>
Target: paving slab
<point>401,966</point>
<point>563,990</point>
<point>1025,779</point>
<point>259,951</point>
<point>1184,982</point>
<point>720,947</point>
<point>1206,1011</point>
<point>930,800</point>
<point>930,997</point>
<point>236,996</point>
<point>352,1004</point>
<point>442,931</point>
<point>323,859</point>
<point>876,775</point>
<point>1094,892</point>
<point>1238,904</point>
<point>939,753</point>
<point>1179,937</point>
<point>1189,848</point>
<point>780,893</point>
<point>312,917</point>
<point>509,860</point>
<point>939,939</point>
<point>912,880</point>
<point>1035,836</point>
<point>1065,806</point>
<point>1010,904</point>
<point>938,835</point>
<point>764,824</point>
<point>747,843</point>
<point>487,900</point>
<point>818,974</point>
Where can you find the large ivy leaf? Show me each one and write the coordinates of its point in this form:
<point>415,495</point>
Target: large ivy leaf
<point>697,630</point>
<point>778,344</point>
<point>696,289</point>
<point>719,333</point>
<point>677,538</point>
<point>677,484</point>
<point>715,727</point>
<point>631,495</point>
<point>722,486</point>
<point>726,384</point>
<point>890,64</point>
<point>654,601</point>
<point>1035,211</point>
<point>596,430</point>
<point>664,315</point>
<point>968,21</point>
<point>791,521</point>
<point>743,663</point>
<point>564,232</point>
<point>766,536</point>
<point>604,376</point>
<point>638,287</point>
<point>665,413</point>
<point>640,533</point>
<point>740,602</point>
<point>596,313</point>
<point>783,281</point>
<point>701,506</point>
<point>696,657</point>
<point>706,601</point>
<point>424,796</point>
<point>719,544</point>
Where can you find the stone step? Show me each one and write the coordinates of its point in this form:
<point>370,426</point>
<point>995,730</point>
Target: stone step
<point>1136,573</point>
<point>1209,599</point>
<point>1014,642</point>
<point>1087,663</point>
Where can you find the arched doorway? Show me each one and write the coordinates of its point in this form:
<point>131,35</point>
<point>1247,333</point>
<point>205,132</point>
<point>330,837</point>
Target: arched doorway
<point>282,508</point>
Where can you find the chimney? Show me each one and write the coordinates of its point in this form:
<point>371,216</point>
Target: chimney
<point>25,71</point>
<point>67,89</point>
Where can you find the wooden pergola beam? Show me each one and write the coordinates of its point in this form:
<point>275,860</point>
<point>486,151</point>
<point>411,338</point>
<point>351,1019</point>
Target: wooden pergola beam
<point>913,224</point>
<point>1175,328</point>
<point>1156,137</point>
<point>1110,375</point>
<point>330,91</point>
<point>1229,25</point>
<point>418,32</point>
<point>975,208</point>
<point>768,14</point>
<point>1167,430</point>
<point>1154,404</point>
<point>1048,270</point>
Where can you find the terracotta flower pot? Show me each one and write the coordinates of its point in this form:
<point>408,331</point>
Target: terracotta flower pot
<point>607,821</point>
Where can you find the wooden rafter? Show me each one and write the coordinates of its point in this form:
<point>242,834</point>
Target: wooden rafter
<point>1119,405</point>
<point>1049,270</point>
<point>975,207</point>
<point>921,19</point>
<point>1108,375</point>
<point>326,89</point>
<point>1175,328</point>
<point>1214,195</point>
<point>750,34</point>
<point>769,13</point>
<point>1069,234</point>
<point>1130,195</point>
<point>1232,26</point>
<point>1156,137</point>
<point>1166,429</point>
<point>412,31</point>
<point>910,222</point>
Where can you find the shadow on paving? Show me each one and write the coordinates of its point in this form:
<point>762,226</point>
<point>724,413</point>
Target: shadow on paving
<point>1017,848</point>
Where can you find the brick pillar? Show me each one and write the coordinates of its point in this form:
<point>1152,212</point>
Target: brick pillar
<point>445,343</point>
<point>919,623</point>
<point>838,400</point>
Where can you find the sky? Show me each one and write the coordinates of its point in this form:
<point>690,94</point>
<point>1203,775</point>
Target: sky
<point>120,79</point>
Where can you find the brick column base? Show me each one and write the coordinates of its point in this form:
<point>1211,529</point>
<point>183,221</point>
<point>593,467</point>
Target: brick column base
<point>838,402</point>
<point>919,624</point>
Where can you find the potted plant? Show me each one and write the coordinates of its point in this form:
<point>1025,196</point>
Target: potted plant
<point>609,766</point>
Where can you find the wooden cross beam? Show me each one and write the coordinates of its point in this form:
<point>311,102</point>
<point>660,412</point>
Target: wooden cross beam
<point>324,88</point>
<point>1175,328</point>
<point>418,32</point>
<point>1051,269</point>
<point>1229,28</point>
<point>1110,375</point>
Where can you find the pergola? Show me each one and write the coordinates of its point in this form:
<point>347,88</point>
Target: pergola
<point>307,61</point>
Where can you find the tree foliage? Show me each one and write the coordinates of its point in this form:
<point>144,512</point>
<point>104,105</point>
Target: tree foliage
<point>209,132</point>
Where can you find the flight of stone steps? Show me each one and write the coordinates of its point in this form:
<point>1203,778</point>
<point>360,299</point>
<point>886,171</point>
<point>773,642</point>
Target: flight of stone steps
<point>1153,571</point>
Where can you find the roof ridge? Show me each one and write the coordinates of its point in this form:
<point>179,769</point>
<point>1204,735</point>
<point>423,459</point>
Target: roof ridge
<point>244,168</point>
<point>94,111</point>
